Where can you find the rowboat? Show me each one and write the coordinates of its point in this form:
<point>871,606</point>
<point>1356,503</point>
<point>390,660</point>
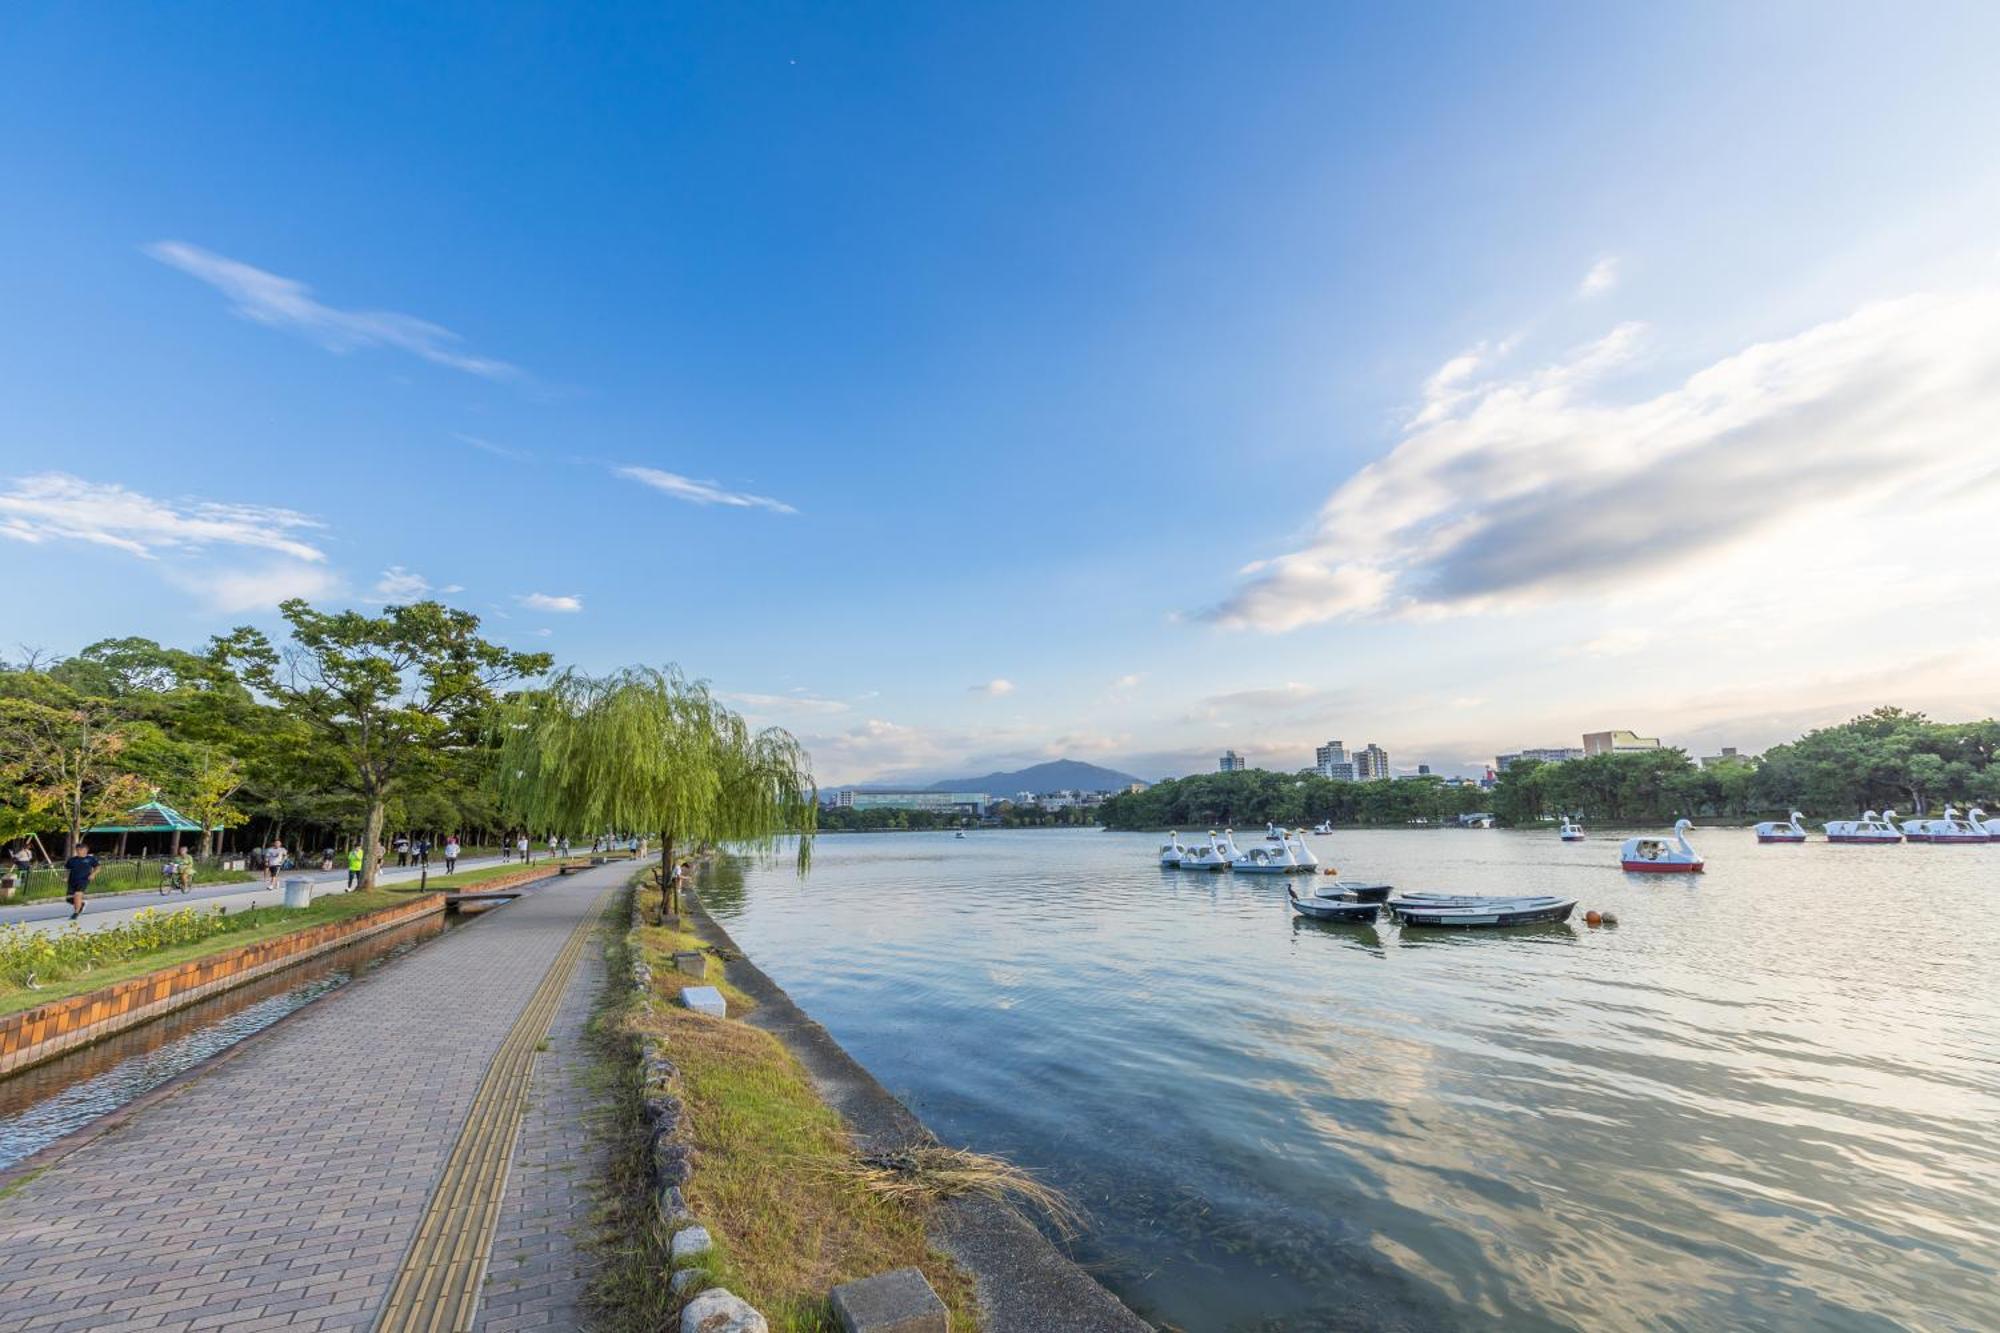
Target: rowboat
<point>1354,890</point>
<point>1492,912</point>
<point>1325,909</point>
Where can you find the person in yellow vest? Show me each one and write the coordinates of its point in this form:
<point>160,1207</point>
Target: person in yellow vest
<point>354,866</point>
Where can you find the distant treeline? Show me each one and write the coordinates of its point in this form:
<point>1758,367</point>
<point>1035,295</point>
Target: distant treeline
<point>847,819</point>
<point>1886,758</point>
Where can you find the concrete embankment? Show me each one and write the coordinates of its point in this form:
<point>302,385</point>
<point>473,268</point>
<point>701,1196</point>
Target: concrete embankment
<point>1025,1284</point>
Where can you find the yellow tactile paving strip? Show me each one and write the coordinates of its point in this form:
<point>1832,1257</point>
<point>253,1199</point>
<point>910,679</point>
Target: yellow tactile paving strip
<point>437,1288</point>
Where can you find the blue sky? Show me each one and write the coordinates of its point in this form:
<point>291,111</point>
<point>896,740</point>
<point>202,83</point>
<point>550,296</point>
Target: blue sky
<point>965,386</point>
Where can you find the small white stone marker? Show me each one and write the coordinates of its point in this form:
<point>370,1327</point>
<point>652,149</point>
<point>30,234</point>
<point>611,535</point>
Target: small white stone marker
<point>705,1000</point>
<point>690,1243</point>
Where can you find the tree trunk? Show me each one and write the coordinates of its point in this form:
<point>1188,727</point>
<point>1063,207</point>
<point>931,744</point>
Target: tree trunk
<point>371,843</point>
<point>670,900</point>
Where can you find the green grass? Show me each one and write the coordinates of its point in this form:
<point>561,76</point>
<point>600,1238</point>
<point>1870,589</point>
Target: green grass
<point>247,927</point>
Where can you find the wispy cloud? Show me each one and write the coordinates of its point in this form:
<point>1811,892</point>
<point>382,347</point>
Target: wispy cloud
<point>995,687</point>
<point>286,303</point>
<point>542,601</point>
<point>1127,682</point>
<point>1530,488</point>
<point>234,591</point>
<point>400,585</point>
<point>797,702</point>
<point>1603,276</point>
<point>700,492</point>
<point>498,450</point>
<point>54,506</point>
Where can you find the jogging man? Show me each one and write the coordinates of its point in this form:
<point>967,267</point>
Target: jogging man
<point>81,867</point>
<point>354,865</point>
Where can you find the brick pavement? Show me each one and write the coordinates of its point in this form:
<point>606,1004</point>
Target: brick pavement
<point>538,1272</point>
<point>282,1188</point>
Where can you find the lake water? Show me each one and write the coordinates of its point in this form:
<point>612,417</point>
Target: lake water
<point>1769,1098</point>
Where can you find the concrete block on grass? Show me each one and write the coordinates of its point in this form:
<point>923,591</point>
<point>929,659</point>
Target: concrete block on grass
<point>900,1301</point>
<point>716,1311</point>
<point>692,961</point>
<point>705,1000</point>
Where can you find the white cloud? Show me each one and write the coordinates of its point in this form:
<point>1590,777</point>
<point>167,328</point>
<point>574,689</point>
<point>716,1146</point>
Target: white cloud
<point>54,506</point>
<point>1529,489</point>
<point>286,303</point>
<point>400,585</point>
<point>796,702</point>
<point>542,601</point>
<point>499,450</point>
<point>233,591</point>
<point>995,687</point>
<point>700,492</point>
<point>1128,681</point>
<point>1603,276</point>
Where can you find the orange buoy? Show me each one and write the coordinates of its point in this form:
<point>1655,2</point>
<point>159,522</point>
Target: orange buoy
<point>1594,918</point>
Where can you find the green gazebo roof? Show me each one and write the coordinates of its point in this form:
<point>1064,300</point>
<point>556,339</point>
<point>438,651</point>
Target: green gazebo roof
<point>152,817</point>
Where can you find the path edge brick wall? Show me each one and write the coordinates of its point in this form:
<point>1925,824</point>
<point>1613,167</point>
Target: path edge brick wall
<point>46,1031</point>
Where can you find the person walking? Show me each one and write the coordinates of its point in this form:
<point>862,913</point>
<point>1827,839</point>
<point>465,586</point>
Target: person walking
<point>274,861</point>
<point>402,851</point>
<point>521,846</point>
<point>354,866</point>
<point>81,866</point>
<point>451,854</point>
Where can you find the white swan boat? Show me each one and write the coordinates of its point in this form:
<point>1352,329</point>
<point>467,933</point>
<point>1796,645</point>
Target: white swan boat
<point>1570,830</point>
<point>1172,852</point>
<point>1273,856</point>
<point>1302,855</point>
<point>1210,855</point>
<point>1871,828</point>
<point>1990,827</point>
<point>1658,856</point>
<point>1324,828</point>
<point>1782,830</point>
<point>1948,829</point>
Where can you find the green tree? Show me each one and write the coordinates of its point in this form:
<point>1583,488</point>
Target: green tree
<point>66,758</point>
<point>647,750</point>
<point>382,700</point>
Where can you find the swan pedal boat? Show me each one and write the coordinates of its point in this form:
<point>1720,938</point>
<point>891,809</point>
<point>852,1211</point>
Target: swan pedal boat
<point>1782,830</point>
<point>1326,909</point>
<point>1951,828</point>
<point>1657,856</point>
<point>1570,832</point>
<point>1469,910</point>
<point>1871,829</point>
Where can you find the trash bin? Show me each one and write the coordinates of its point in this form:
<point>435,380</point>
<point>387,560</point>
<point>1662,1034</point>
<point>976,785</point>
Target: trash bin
<point>298,893</point>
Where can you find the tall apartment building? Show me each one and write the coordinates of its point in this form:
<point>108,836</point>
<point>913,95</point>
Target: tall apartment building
<point>1331,761</point>
<point>1616,742</point>
<point>1371,764</point>
<point>1233,762</point>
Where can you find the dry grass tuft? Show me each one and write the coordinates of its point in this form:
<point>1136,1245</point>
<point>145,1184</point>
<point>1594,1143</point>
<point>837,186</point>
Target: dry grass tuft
<point>931,1172</point>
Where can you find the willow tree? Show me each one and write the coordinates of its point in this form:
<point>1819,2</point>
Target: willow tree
<point>645,750</point>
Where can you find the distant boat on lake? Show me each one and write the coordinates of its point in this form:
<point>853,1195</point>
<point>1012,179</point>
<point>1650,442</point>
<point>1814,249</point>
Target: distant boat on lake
<point>1570,831</point>
<point>1871,828</point>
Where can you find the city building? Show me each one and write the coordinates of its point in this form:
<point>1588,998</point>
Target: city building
<point>1371,763</point>
<point>1233,762</point>
<point>1134,788</point>
<point>1616,742</point>
<point>967,801</point>
<point>1553,754</point>
<point>1331,761</point>
<point>1729,755</point>
<point>1423,770</point>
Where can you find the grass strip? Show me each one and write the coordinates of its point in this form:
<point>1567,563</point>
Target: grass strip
<point>247,927</point>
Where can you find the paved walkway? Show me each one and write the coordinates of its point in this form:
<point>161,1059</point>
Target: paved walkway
<point>284,1187</point>
<point>52,914</point>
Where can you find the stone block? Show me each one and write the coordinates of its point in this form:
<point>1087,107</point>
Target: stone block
<point>692,961</point>
<point>690,1244</point>
<point>716,1311</point>
<point>671,1205</point>
<point>688,1281</point>
<point>705,1000</point>
<point>900,1301</point>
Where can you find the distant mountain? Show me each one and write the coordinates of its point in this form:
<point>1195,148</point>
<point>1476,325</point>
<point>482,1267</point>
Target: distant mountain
<point>1056,775</point>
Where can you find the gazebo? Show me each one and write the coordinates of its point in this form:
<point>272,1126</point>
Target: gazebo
<point>154,818</point>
